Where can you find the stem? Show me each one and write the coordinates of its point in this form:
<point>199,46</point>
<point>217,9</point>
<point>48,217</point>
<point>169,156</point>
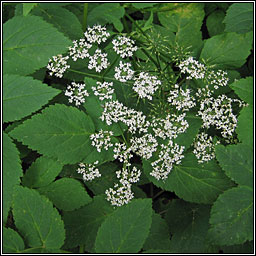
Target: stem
<point>158,194</point>
<point>81,249</point>
<point>85,16</point>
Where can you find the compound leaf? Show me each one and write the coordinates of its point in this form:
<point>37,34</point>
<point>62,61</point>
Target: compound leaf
<point>60,132</point>
<point>232,217</point>
<point>12,172</point>
<point>23,96</point>
<point>12,241</point>
<point>227,51</point>
<point>188,224</point>
<point>37,221</point>
<point>239,18</point>
<point>193,182</point>
<point>42,172</point>
<point>126,230</point>
<point>28,43</point>
<point>66,194</point>
<point>82,225</point>
<point>237,162</point>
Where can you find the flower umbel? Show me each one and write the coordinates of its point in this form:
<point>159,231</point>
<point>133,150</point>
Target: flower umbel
<point>76,93</point>
<point>58,65</point>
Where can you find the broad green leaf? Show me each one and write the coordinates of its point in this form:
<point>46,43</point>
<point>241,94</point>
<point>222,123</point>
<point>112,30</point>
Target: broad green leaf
<point>232,217</point>
<point>188,224</point>
<point>237,162</point>
<point>154,251</point>
<point>186,21</point>
<point>187,138</point>
<point>59,132</point>
<point>12,242</point>
<point>64,20</point>
<point>37,221</point>
<point>126,230</point>
<point>227,51</point>
<point>42,172</point>
<point>246,248</point>
<point>245,126</point>
<point>159,235</point>
<point>52,5</point>
<point>28,44</point>
<point>27,7</point>
<point>193,182</point>
<point>239,18</point>
<point>23,96</point>
<point>244,89</point>
<point>214,23</point>
<point>66,194</point>
<point>107,13</point>
<point>11,172</point>
<point>82,225</point>
<point>142,5</point>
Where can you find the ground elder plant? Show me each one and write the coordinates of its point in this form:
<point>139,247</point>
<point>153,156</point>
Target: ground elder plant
<point>128,128</point>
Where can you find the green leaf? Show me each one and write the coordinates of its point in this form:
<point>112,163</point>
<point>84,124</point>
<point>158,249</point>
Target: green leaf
<point>64,20</point>
<point>82,225</point>
<point>42,172</point>
<point>232,217</point>
<point>12,242</point>
<point>143,5</point>
<point>239,18</point>
<point>187,138</point>
<point>245,126</point>
<point>214,23</point>
<point>28,43</point>
<point>246,248</point>
<point>186,21</point>
<point>60,132</point>
<point>37,221</point>
<point>107,13</point>
<point>227,51</point>
<point>154,251</point>
<point>11,172</point>
<point>27,7</point>
<point>159,235</point>
<point>237,162</point>
<point>126,230</point>
<point>193,182</point>
<point>188,224</point>
<point>66,194</point>
<point>244,89</point>
<point>23,96</point>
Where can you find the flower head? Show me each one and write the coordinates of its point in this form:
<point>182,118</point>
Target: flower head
<point>124,46</point>
<point>89,171</point>
<point>103,90</point>
<point>79,50</point>
<point>123,72</point>
<point>58,65</point>
<point>96,34</point>
<point>98,61</point>
<point>76,93</point>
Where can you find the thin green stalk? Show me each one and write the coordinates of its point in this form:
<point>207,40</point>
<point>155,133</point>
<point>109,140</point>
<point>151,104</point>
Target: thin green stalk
<point>85,16</point>
<point>81,249</point>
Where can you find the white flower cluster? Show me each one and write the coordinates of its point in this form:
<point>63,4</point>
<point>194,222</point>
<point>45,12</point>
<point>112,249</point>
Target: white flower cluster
<point>89,171</point>
<point>181,99</point>
<point>98,61</point>
<point>76,93</point>
<point>79,50</point>
<point>122,193</point>
<point>170,154</point>
<point>122,153</point>
<point>144,146</point>
<point>114,111</point>
<point>170,126</point>
<point>124,46</point>
<point>204,147</point>
<point>96,34</point>
<point>124,72</point>
<point>146,85</point>
<point>218,112</point>
<point>102,139</point>
<point>103,90</point>
<point>218,78</point>
<point>58,65</point>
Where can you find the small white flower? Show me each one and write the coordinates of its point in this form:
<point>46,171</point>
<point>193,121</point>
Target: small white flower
<point>58,65</point>
<point>146,85</point>
<point>124,46</point>
<point>79,50</point>
<point>76,93</point>
<point>89,171</point>
<point>102,139</point>
<point>98,61</point>
<point>96,34</point>
<point>103,90</point>
<point>123,72</point>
